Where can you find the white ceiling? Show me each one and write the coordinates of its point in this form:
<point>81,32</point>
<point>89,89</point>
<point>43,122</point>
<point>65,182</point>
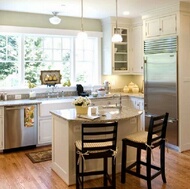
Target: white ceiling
<point>92,8</point>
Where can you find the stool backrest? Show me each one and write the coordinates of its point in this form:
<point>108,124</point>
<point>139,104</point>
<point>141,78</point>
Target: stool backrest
<point>99,136</point>
<point>157,129</point>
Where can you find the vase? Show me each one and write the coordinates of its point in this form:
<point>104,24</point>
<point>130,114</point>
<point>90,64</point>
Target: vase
<point>81,110</point>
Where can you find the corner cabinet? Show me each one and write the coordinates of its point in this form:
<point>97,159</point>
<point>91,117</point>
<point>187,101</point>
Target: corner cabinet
<point>120,52</point>
<point>1,128</point>
<point>162,26</point>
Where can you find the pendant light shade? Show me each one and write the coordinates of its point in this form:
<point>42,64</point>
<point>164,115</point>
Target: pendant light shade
<point>55,19</point>
<point>82,35</point>
<point>116,37</point>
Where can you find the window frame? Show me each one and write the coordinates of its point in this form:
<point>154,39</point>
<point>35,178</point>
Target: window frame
<point>54,32</point>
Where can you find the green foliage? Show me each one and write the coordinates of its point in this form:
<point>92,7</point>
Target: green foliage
<point>6,69</point>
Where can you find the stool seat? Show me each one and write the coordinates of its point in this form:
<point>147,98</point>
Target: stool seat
<point>143,140</point>
<point>140,137</point>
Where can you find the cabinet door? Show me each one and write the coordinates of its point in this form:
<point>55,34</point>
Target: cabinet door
<point>120,52</point>
<point>152,28</point>
<point>138,103</point>
<point>168,25</point>
<point>136,63</point>
<point>45,131</point>
<point>1,133</point>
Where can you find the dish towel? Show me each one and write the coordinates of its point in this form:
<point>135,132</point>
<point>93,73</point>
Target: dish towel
<point>29,116</point>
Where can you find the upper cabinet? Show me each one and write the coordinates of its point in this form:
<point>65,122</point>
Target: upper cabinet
<point>162,26</point>
<point>120,52</point>
<point>136,50</point>
<point>123,58</point>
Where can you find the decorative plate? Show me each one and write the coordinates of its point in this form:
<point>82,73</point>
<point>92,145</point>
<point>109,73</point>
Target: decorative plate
<point>50,77</point>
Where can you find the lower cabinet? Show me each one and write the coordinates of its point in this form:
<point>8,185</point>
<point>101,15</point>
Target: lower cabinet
<point>44,131</point>
<point>138,103</point>
<point>45,119</point>
<point>1,128</point>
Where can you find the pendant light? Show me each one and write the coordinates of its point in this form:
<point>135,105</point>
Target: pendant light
<point>116,37</point>
<point>55,19</point>
<point>82,35</point>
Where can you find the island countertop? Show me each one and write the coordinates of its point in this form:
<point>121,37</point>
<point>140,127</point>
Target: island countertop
<point>105,114</point>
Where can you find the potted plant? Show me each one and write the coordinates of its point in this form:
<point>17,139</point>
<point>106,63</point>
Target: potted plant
<point>81,105</point>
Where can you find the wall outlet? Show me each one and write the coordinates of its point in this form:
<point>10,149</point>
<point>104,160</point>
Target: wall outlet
<point>17,97</point>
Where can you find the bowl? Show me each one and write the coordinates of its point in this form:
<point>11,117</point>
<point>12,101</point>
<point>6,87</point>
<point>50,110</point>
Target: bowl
<point>101,93</point>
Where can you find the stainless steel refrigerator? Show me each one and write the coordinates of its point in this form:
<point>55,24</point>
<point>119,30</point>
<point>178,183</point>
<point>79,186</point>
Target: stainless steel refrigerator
<point>160,83</point>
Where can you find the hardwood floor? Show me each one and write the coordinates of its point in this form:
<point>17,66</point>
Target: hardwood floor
<point>18,172</point>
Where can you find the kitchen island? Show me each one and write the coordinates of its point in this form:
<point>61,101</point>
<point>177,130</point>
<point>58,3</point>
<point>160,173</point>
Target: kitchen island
<point>66,129</point>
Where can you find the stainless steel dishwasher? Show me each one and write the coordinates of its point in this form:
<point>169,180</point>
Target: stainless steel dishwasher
<point>20,126</point>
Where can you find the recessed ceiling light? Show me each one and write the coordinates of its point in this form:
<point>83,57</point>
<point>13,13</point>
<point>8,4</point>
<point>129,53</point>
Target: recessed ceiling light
<point>126,13</point>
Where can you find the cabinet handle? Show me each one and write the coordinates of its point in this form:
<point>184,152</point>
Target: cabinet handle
<point>160,29</point>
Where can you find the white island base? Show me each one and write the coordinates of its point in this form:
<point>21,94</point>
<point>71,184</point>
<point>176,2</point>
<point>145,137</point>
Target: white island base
<point>67,129</point>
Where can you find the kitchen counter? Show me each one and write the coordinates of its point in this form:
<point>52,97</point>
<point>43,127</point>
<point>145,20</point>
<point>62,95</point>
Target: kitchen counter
<point>64,99</point>
<point>66,129</point>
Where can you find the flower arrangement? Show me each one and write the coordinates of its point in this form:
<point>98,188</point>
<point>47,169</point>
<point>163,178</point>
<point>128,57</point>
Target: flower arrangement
<point>82,101</point>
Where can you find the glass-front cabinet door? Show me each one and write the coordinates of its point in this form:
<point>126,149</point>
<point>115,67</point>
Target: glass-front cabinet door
<point>120,52</point>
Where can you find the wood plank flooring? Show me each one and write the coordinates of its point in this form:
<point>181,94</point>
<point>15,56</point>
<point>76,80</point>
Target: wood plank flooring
<point>18,172</point>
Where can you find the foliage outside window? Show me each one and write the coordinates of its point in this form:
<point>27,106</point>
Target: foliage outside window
<point>22,57</point>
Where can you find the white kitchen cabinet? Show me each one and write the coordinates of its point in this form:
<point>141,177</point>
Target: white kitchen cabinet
<point>44,129</point>
<point>115,55</point>
<point>45,123</point>
<point>138,103</point>
<point>1,128</point>
<point>136,54</point>
<point>162,26</point>
<point>120,52</point>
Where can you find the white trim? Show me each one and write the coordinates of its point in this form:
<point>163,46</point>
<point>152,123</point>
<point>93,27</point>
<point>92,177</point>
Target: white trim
<point>47,31</point>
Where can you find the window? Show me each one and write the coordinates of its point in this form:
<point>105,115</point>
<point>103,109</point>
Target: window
<point>23,56</point>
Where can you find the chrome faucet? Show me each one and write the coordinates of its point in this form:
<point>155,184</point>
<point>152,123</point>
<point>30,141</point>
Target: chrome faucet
<point>120,100</point>
<point>53,93</point>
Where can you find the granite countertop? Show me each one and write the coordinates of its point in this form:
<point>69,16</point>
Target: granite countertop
<point>104,114</point>
<point>64,99</point>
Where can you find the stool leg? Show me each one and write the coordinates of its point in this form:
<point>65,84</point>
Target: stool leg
<point>162,161</point>
<point>77,170</point>
<point>113,172</point>
<point>148,168</point>
<point>82,173</point>
<point>138,160</point>
<point>123,161</point>
<point>105,170</point>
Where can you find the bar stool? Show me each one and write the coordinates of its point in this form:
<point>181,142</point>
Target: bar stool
<point>142,140</point>
<point>98,142</point>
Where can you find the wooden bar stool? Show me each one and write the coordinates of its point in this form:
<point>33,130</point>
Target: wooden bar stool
<point>98,142</point>
<point>142,140</point>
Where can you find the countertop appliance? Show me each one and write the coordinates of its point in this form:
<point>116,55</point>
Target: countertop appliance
<point>20,126</point>
<point>160,83</point>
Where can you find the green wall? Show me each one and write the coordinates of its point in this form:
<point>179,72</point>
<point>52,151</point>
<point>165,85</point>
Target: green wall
<point>9,18</point>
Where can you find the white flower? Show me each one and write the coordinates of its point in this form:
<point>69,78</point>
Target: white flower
<point>81,101</point>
